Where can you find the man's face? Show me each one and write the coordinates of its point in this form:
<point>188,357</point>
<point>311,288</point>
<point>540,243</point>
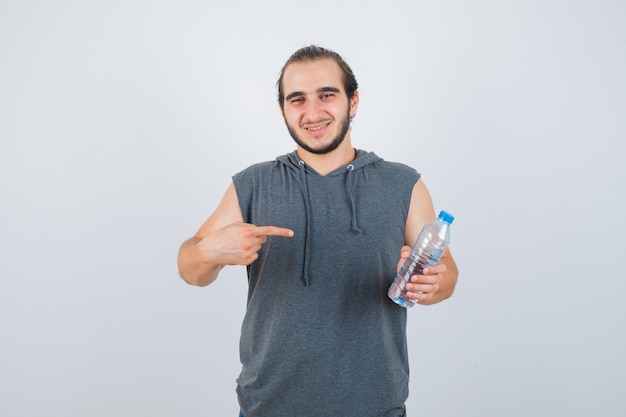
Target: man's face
<point>316,108</point>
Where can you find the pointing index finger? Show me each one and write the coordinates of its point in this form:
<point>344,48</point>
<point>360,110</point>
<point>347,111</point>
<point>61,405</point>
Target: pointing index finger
<point>274,231</point>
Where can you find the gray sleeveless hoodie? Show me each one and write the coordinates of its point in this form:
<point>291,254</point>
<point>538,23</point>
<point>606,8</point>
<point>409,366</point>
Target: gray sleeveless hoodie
<point>320,337</point>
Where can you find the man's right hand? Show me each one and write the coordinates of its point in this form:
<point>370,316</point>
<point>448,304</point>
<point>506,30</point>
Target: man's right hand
<point>238,243</point>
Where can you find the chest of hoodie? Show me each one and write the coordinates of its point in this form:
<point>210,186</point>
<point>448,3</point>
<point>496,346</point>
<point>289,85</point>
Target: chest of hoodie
<point>346,224</point>
<point>351,226</point>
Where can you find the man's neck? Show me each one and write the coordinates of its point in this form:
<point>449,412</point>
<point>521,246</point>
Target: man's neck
<point>326,163</point>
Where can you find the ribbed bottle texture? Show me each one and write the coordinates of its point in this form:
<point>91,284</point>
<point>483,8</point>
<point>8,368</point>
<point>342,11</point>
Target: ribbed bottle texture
<point>431,243</point>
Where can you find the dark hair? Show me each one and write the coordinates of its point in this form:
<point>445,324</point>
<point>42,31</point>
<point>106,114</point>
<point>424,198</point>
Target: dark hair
<point>312,53</point>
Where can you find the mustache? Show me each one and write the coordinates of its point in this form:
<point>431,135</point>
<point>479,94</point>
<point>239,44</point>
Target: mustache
<point>314,122</point>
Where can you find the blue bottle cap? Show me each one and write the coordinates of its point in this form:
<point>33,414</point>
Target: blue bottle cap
<point>446,217</point>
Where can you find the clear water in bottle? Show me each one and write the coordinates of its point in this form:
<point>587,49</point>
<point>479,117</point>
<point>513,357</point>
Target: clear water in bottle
<point>431,243</point>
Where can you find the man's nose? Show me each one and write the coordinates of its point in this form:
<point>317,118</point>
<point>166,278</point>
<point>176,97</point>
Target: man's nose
<point>313,110</point>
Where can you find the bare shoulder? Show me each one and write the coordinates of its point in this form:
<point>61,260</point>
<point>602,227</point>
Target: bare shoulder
<point>227,212</point>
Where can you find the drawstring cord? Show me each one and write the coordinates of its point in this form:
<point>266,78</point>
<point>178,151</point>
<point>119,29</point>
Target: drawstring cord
<point>355,226</point>
<point>307,247</point>
<point>305,189</point>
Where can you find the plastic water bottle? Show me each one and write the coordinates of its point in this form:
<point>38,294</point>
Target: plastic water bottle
<point>427,250</point>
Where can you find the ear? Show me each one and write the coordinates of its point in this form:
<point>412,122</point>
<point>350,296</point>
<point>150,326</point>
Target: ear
<point>354,103</point>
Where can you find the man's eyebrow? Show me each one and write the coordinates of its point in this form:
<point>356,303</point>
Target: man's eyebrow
<point>319,90</point>
<point>293,95</point>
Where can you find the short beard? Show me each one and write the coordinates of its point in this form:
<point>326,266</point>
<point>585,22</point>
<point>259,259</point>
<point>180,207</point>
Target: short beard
<point>334,144</point>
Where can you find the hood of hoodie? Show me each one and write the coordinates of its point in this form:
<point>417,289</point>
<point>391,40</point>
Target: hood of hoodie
<point>293,162</point>
<point>363,158</point>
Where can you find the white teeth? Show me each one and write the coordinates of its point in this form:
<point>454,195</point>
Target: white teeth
<point>316,128</point>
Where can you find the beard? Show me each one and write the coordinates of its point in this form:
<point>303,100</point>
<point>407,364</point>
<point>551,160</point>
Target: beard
<point>334,144</point>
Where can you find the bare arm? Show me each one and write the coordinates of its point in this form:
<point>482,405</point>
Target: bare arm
<point>437,282</point>
<point>223,240</point>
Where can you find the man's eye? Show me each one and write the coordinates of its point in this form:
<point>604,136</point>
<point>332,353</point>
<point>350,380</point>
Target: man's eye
<point>297,100</point>
<point>327,96</point>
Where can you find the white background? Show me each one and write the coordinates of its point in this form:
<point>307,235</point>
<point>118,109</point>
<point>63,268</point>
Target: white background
<point>121,123</point>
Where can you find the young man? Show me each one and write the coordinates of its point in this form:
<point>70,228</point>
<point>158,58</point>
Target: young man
<point>322,231</point>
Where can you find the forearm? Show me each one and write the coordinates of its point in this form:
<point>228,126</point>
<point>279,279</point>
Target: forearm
<point>194,268</point>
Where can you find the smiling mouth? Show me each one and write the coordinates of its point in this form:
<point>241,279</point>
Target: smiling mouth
<point>317,128</point>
